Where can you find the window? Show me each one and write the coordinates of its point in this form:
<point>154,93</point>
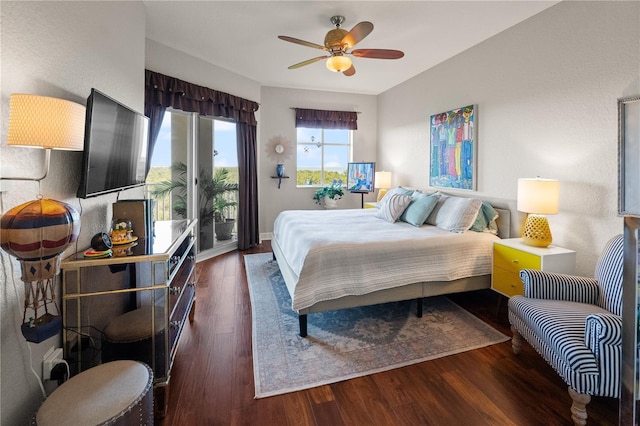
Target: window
<point>323,155</point>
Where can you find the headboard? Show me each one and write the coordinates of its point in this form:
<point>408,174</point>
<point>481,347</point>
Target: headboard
<point>504,222</point>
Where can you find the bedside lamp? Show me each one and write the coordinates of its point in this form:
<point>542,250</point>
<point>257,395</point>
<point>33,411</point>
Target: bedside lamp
<point>43,122</point>
<point>383,183</point>
<point>537,197</point>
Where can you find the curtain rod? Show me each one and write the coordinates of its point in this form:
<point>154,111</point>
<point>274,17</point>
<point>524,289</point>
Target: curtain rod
<point>357,112</point>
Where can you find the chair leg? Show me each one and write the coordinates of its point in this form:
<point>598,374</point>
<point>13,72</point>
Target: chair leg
<point>579,407</point>
<point>516,341</point>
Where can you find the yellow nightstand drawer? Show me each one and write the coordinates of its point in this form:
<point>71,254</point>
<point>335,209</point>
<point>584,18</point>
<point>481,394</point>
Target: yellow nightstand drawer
<point>511,255</point>
<point>513,259</point>
<point>507,282</point>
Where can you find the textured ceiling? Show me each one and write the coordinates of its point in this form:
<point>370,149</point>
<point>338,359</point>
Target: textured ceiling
<point>241,36</point>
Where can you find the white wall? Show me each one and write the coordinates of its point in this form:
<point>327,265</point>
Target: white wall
<point>58,49</point>
<point>546,92</point>
<point>278,119</point>
<point>174,63</point>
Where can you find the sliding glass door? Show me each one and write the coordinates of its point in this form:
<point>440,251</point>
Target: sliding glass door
<point>194,174</point>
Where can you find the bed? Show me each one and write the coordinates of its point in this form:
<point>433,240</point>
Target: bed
<point>335,259</point>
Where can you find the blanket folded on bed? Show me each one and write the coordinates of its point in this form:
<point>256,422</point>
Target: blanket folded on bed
<point>337,253</point>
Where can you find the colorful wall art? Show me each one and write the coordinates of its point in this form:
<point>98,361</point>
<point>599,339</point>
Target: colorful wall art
<point>454,149</point>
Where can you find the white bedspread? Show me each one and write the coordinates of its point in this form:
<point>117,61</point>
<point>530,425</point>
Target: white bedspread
<point>337,253</point>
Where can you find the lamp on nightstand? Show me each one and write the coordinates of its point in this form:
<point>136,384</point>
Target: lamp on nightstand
<point>538,197</point>
<point>383,183</point>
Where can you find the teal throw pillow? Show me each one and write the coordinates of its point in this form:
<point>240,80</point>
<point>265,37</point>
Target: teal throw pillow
<point>485,221</point>
<point>418,211</point>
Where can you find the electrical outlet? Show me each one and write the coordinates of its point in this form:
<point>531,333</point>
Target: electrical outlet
<point>52,358</point>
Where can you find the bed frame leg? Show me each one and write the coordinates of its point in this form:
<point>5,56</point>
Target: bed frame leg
<point>419,311</point>
<point>302,319</point>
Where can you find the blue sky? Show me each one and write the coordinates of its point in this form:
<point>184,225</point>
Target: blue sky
<point>225,140</point>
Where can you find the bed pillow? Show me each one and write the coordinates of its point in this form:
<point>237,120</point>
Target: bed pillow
<point>392,206</point>
<point>399,190</point>
<point>455,214</point>
<point>486,219</point>
<point>419,209</point>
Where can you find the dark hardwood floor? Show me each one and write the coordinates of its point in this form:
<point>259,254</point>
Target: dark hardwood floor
<point>212,378</point>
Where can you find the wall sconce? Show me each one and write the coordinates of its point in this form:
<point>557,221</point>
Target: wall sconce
<point>383,183</point>
<point>538,197</point>
<point>37,232</point>
<point>43,122</point>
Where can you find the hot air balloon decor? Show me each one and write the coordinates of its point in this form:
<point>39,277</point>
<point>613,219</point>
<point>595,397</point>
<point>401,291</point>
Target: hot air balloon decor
<point>37,233</point>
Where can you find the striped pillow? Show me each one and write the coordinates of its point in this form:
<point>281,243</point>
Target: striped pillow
<point>455,214</point>
<point>392,206</point>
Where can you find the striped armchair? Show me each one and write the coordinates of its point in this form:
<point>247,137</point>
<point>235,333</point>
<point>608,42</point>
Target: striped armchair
<point>575,323</point>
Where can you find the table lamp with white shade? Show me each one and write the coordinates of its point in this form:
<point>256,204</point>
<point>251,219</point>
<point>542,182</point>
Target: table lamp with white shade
<point>383,183</point>
<point>537,197</point>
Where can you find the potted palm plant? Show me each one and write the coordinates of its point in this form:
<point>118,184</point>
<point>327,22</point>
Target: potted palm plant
<point>213,192</point>
<point>330,194</point>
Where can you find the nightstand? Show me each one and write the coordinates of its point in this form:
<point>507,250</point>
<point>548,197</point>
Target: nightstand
<point>511,255</point>
<point>371,205</point>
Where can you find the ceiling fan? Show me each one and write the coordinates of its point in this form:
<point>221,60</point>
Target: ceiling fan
<point>337,43</point>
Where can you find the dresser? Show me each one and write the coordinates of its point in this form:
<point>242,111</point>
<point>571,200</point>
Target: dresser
<point>133,304</point>
<point>511,255</point>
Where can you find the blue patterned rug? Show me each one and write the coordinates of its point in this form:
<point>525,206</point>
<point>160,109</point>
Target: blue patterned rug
<point>348,343</point>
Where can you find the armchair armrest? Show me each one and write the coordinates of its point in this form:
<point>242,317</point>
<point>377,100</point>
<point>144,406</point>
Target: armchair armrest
<point>550,285</point>
<point>603,329</point>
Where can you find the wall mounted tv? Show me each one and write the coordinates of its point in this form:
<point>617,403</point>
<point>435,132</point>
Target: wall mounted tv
<point>115,147</point>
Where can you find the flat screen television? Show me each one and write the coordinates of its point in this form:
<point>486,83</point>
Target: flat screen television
<point>115,147</point>
<point>361,177</point>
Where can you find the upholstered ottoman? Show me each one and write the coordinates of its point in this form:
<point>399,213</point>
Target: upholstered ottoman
<point>115,393</point>
<point>128,336</point>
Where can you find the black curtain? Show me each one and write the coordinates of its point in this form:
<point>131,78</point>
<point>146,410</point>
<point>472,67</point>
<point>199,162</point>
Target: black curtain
<point>162,91</point>
<point>322,119</point>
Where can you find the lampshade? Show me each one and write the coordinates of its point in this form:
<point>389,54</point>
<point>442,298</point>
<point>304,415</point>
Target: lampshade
<point>383,180</point>
<point>43,122</point>
<point>338,63</point>
<point>538,197</point>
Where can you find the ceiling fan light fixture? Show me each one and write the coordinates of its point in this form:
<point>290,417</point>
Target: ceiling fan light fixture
<point>338,63</point>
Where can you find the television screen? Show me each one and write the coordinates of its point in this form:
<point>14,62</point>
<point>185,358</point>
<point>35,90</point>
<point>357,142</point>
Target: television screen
<point>115,147</point>
<point>361,177</point>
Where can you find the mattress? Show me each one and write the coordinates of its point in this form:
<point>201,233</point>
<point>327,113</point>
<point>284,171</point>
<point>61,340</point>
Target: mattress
<point>352,252</point>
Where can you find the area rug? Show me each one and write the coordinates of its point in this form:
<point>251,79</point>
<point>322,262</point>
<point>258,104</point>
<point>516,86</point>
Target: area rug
<point>348,343</point>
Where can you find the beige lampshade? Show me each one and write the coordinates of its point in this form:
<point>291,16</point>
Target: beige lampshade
<point>43,122</point>
<point>383,180</point>
<point>540,196</point>
<point>338,63</point>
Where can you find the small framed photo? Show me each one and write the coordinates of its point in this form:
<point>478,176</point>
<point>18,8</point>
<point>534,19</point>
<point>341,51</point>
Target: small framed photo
<point>361,177</point>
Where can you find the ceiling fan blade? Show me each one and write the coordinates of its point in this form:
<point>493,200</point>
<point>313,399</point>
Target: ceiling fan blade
<point>349,72</point>
<point>378,53</point>
<point>302,42</point>
<point>357,33</point>
<point>307,62</point>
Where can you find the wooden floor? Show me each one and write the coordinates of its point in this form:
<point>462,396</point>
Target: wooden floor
<point>212,378</point>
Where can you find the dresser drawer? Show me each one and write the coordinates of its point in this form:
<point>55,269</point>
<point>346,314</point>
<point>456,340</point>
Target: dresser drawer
<point>507,282</point>
<point>514,260</point>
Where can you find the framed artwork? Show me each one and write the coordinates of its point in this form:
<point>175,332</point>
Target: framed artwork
<point>629,156</point>
<point>361,177</point>
<point>453,148</point>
